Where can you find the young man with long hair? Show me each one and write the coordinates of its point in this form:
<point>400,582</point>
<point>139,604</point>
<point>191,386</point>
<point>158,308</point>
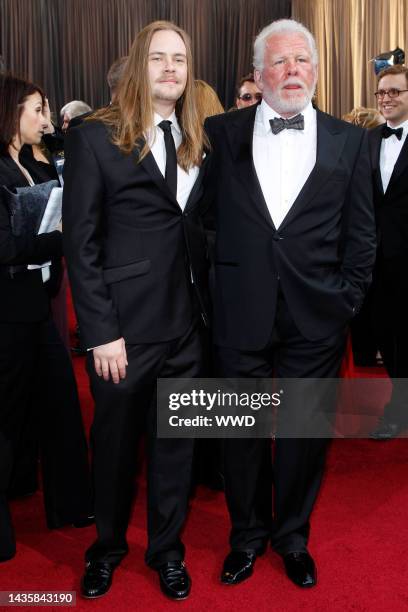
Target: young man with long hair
<point>136,258</point>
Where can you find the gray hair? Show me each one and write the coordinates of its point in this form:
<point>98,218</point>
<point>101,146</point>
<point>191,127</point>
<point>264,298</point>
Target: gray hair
<point>75,108</point>
<point>115,72</point>
<point>289,26</point>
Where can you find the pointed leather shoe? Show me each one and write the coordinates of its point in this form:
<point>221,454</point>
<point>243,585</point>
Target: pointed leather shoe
<point>238,566</point>
<point>174,580</point>
<point>97,579</point>
<point>300,569</point>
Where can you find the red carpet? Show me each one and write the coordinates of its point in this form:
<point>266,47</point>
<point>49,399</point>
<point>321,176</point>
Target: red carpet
<point>359,540</point>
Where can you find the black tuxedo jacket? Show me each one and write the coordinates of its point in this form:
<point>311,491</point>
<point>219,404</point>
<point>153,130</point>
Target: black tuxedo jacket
<point>25,298</point>
<point>131,251</point>
<point>323,252</point>
<point>391,207</point>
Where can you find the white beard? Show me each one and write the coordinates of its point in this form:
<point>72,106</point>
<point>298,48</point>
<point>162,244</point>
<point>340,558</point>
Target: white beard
<point>290,106</point>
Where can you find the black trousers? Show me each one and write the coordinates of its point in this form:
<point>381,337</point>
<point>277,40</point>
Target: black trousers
<point>390,289</point>
<point>122,412</point>
<point>296,470</point>
<point>37,386</point>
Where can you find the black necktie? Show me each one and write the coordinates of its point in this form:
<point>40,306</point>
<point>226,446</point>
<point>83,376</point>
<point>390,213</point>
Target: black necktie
<point>294,123</point>
<point>171,157</point>
<point>387,132</point>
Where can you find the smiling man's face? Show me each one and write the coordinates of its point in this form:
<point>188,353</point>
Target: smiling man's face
<point>288,78</point>
<point>394,110</point>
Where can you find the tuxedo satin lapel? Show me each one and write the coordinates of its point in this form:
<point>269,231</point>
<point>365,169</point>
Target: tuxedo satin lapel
<point>149,164</point>
<point>196,191</point>
<point>330,144</point>
<point>375,148</point>
<point>241,148</point>
<point>401,164</point>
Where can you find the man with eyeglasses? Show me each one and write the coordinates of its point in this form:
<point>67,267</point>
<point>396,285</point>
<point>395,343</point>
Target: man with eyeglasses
<point>247,92</point>
<point>389,156</point>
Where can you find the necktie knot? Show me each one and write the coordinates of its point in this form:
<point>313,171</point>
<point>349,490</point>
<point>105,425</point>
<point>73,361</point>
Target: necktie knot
<point>387,132</point>
<point>294,123</point>
<point>165,125</point>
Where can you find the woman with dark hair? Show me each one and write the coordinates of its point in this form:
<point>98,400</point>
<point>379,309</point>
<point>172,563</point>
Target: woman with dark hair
<point>36,376</point>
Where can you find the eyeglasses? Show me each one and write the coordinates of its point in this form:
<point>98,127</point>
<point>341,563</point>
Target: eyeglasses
<point>392,93</point>
<point>247,97</point>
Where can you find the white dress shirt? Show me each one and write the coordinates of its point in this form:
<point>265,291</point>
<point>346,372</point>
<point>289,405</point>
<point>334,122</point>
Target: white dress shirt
<point>389,153</point>
<point>185,180</point>
<point>283,161</point>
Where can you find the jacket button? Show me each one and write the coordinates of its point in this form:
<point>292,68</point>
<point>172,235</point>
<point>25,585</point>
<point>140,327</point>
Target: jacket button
<point>277,237</point>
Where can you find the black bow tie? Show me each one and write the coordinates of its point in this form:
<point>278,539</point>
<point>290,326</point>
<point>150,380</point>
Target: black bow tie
<point>294,123</point>
<point>387,132</point>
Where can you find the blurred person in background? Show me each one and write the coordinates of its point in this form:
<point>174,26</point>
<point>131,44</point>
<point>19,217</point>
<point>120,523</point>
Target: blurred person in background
<point>248,92</point>
<point>36,376</point>
<point>72,110</point>
<point>389,160</point>
<point>114,76</point>
<point>363,337</point>
<point>367,118</point>
<point>208,102</point>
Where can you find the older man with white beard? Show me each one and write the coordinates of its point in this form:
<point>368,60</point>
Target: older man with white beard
<point>294,253</point>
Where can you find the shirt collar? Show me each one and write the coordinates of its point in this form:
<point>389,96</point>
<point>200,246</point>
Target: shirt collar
<point>174,123</point>
<point>267,113</point>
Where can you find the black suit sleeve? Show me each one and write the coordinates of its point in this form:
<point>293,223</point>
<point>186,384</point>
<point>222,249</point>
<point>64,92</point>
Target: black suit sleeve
<point>83,220</point>
<point>358,232</point>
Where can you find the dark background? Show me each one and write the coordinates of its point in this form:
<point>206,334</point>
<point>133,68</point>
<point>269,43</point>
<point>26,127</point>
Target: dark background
<point>67,46</point>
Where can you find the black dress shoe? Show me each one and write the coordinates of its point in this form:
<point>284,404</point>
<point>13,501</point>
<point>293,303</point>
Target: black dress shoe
<point>300,568</point>
<point>174,580</point>
<point>97,579</point>
<point>386,430</point>
<point>238,566</point>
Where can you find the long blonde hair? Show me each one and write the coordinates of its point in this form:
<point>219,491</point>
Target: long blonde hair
<point>131,115</point>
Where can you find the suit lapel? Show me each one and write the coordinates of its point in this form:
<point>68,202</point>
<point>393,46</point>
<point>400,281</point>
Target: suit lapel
<point>195,193</point>
<point>330,144</point>
<point>375,148</point>
<point>241,139</point>
<point>149,164</point>
<point>400,165</point>
<point>151,167</point>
